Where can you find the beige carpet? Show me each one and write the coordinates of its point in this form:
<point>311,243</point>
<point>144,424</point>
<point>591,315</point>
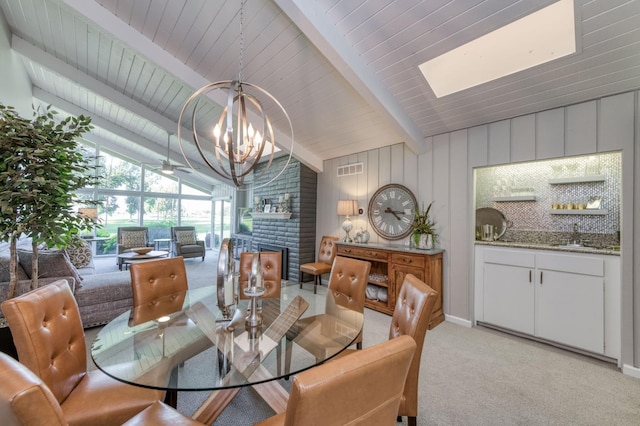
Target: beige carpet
<point>477,376</point>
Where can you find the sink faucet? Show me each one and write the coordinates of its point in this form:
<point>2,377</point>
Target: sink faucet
<point>575,237</point>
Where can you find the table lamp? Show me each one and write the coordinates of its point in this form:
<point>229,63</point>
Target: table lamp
<point>347,208</point>
<point>90,212</point>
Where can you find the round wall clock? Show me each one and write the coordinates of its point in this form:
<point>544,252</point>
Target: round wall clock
<point>391,211</point>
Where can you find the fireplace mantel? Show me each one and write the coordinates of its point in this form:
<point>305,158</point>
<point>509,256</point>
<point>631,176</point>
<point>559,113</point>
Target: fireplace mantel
<point>277,216</point>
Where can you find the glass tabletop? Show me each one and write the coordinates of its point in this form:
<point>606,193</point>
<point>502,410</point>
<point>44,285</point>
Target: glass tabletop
<point>182,342</point>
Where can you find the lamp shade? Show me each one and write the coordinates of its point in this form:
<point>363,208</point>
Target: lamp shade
<point>89,212</point>
<point>347,207</point>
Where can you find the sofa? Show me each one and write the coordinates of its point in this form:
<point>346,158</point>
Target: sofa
<point>100,297</point>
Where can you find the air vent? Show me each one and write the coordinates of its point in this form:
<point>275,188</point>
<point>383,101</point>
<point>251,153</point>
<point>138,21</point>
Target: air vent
<point>351,169</point>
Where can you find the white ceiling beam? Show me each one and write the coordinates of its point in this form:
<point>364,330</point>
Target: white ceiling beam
<point>72,109</point>
<point>313,23</point>
<point>38,55</point>
<point>120,30</point>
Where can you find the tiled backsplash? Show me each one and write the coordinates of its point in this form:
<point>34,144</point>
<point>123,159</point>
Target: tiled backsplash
<point>533,219</point>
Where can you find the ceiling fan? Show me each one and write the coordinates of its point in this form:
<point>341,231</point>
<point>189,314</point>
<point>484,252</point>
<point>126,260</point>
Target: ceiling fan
<point>166,166</point>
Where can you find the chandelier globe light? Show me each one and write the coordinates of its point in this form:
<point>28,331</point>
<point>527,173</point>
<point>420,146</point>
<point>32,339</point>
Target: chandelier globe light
<point>243,136</point>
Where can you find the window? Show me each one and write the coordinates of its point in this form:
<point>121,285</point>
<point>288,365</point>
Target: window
<point>119,173</point>
<point>158,182</point>
<point>160,214</point>
<point>164,202</point>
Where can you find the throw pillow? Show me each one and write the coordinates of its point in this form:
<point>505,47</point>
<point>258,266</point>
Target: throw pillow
<point>186,237</point>
<point>5,275</point>
<point>79,253</point>
<point>51,264</point>
<point>132,239</point>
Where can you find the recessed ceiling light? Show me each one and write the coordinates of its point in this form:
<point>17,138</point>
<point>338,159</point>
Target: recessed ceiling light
<point>540,37</point>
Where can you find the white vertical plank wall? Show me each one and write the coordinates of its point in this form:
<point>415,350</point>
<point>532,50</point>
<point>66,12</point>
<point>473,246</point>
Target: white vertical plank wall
<point>444,173</point>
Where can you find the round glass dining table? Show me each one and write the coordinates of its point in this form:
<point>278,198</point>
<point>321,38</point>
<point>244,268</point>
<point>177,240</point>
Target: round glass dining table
<point>182,342</point>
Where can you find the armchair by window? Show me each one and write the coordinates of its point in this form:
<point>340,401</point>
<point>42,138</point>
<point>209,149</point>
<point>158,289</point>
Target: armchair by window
<point>185,243</point>
<point>130,237</point>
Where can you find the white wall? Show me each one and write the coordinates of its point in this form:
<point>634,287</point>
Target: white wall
<point>15,85</point>
<point>445,174</point>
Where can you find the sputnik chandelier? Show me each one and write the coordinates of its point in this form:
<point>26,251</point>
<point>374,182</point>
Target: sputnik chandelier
<point>243,135</point>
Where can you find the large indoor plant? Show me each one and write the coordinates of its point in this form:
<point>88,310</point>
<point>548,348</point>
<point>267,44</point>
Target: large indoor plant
<point>424,234</point>
<point>41,168</point>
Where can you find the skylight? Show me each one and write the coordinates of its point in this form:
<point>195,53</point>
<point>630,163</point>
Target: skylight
<point>540,37</point>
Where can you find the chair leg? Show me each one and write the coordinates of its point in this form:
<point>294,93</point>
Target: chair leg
<point>316,283</point>
<point>411,421</point>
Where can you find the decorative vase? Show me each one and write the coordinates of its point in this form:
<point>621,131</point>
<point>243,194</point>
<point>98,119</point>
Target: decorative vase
<point>425,242</point>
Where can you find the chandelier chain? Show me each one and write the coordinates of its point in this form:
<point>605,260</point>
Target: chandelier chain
<point>241,40</point>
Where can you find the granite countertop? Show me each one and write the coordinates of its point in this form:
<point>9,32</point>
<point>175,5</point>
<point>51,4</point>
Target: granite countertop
<point>554,247</point>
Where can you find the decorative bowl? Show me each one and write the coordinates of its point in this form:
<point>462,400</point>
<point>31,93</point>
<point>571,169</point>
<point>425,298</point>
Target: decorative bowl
<point>141,250</point>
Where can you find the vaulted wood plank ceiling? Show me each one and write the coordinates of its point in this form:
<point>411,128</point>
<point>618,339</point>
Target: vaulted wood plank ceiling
<point>346,71</point>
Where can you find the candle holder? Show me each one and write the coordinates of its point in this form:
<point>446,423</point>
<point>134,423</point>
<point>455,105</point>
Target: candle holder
<point>254,290</point>
<point>285,208</point>
<point>254,319</point>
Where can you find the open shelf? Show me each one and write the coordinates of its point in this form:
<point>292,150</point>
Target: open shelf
<point>577,179</point>
<point>514,198</point>
<point>577,211</point>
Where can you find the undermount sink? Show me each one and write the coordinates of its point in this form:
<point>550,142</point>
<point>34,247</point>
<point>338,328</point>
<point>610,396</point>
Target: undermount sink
<point>576,246</point>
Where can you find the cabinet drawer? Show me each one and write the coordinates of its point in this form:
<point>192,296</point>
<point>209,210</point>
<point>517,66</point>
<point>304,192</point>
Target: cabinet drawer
<point>362,253</point>
<point>523,259</point>
<point>408,260</point>
<point>575,264</point>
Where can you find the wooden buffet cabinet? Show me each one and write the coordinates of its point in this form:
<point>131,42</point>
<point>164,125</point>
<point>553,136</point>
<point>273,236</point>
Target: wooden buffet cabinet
<point>389,265</point>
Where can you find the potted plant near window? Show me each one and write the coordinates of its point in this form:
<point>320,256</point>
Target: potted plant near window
<point>41,169</point>
<point>424,234</point>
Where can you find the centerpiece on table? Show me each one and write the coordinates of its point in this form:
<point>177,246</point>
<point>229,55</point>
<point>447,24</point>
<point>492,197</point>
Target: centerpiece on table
<point>424,234</point>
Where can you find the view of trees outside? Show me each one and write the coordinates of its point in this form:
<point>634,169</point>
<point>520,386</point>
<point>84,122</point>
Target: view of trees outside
<point>157,182</point>
<point>119,174</point>
<point>163,203</point>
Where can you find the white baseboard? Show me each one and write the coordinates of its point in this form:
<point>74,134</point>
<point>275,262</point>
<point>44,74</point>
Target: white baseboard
<point>458,321</point>
<point>630,370</point>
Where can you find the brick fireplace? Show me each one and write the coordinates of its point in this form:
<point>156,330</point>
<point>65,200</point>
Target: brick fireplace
<point>297,234</point>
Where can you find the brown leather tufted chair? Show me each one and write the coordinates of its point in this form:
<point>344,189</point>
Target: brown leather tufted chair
<point>24,398</point>
<point>326,254</point>
<point>26,401</point>
<point>270,268</point>
<point>363,388</point>
<point>156,278</point>
<point>411,317</point>
<point>348,281</point>
<point>160,414</point>
<point>49,338</point>
<point>347,285</point>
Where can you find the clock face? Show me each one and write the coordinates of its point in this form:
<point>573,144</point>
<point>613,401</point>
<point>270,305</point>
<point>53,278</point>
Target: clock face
<point>391,211</point>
